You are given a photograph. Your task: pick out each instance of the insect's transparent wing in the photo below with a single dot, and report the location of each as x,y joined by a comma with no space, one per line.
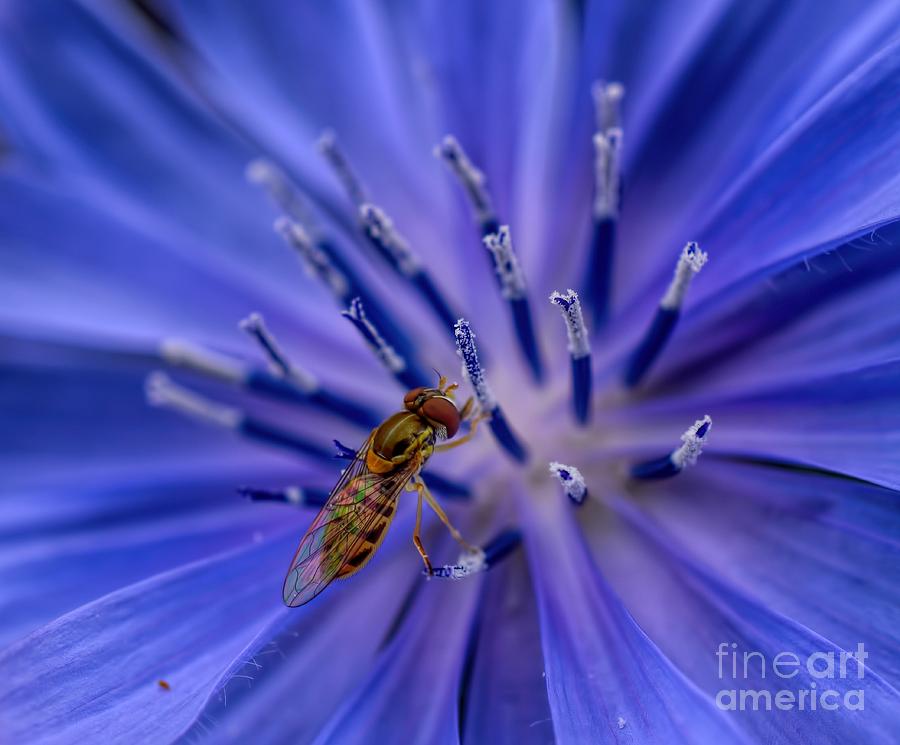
343,537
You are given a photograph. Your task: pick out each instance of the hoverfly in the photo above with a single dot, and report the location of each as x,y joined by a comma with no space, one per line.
353,523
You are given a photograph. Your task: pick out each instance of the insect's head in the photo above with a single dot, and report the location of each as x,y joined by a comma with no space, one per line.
434,405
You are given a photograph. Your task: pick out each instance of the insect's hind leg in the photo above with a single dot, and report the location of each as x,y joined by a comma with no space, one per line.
417,531
439,511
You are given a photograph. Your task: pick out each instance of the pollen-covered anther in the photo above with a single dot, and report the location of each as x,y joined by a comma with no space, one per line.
690,262
472,180
607,104
380,229
571,480
328,146
384,351
255,326
692,443
468,563
576,329
163,392
506,264
264,173
314,260
183,354
607,174
471,368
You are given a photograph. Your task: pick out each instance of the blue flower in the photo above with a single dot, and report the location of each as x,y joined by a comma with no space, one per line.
719,226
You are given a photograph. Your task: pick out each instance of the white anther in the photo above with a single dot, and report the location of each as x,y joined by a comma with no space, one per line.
389,357
571,480
473,181
690,262
161,391
294,495
314,260
264,173
192,357
255,325
328,146
506,264
570,305
381,228
468,563
471,368
607,104
692,446
607,165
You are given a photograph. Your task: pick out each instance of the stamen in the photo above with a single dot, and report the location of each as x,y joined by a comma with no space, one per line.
680,458
472,562
512,285
163,392
579,351
380,231
472,180
607,104
191,357
472,371
315,261
264,173
197,359
607,195
293,495
386,354
255,325
328,146
572,481
607,174
690,262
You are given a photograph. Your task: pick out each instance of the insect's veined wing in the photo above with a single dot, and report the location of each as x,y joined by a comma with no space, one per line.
347,530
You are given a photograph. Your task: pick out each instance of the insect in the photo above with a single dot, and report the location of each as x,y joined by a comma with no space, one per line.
353,523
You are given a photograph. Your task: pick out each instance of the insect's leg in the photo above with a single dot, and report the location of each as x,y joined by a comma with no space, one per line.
417,537
423,492
465,438
468,409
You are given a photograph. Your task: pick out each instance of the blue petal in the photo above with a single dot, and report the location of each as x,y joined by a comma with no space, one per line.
94,673
690,611
605,677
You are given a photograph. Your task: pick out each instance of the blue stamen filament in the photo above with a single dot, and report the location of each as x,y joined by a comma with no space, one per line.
648,350
393,248
465,344
579,352
486,557
571,480
680,458
256,380
512,286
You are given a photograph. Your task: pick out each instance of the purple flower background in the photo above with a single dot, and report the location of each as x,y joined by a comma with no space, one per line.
767,131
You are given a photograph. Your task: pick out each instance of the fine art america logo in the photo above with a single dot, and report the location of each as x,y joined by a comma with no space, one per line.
789,681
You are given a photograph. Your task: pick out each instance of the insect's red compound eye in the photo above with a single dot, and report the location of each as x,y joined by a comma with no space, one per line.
409,400
444,412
